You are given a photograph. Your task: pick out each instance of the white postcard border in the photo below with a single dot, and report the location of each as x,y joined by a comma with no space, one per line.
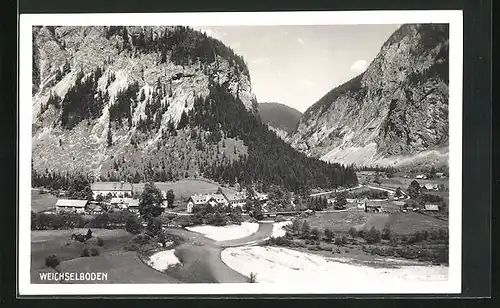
454,18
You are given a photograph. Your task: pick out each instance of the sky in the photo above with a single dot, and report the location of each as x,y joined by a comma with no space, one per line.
297,65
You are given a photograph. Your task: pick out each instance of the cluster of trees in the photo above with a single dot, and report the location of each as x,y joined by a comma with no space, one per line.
77,185
83,100
54,100
124,104
216,215
35,72
180,44
317,203
154,111
44,221
270,160
60,73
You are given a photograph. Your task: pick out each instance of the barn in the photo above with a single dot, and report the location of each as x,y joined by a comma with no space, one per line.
71,206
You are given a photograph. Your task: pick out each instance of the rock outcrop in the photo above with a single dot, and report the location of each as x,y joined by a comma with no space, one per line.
395,113
149,75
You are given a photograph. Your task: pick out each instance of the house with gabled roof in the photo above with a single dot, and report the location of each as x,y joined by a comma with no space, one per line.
71,206
236,198
200,200
116,189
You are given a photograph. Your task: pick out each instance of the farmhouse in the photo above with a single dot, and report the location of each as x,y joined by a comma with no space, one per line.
431,186
212,199
432,208
421,177
71,206
236,199
121,202
261,197
373,208
116,189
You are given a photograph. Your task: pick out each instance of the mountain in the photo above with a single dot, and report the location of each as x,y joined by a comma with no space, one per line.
280,118
155,103
395,113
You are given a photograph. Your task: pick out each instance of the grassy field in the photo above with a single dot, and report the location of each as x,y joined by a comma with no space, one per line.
407,223
400,223
121,266
395,182
340,221
183,189
42,202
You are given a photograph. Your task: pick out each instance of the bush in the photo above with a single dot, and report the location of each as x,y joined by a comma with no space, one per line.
133,225
343,240
100,242
170,216
52,261
154,226
280,241
352,232
305,229
315,234
338,241
329,235
361,233
184,221
85,252
386,232
372,236
252,278
94,252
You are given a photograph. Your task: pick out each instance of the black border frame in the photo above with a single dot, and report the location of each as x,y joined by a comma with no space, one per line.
477,104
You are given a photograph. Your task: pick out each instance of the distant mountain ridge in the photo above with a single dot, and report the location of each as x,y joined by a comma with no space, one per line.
394,114
282,119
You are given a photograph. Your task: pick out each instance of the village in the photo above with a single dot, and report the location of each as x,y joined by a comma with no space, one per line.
119,196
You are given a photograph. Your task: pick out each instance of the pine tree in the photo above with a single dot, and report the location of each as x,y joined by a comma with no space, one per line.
109,137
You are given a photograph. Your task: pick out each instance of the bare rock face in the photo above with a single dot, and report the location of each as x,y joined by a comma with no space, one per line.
128,57
395,113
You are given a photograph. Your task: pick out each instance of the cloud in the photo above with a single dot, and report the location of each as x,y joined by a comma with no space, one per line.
300,41
359,66
214,33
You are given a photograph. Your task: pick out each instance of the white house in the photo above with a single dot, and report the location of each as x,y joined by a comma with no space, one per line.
432,207
262,197
431,186
121,202
421,177
236,198
116,189
212,199
71,206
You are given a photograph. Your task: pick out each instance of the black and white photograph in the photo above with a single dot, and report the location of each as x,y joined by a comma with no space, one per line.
233,153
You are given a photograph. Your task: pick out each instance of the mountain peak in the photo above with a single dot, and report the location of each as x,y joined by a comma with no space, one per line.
396,112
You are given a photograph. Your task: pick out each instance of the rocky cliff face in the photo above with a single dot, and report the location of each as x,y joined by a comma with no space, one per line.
395,113
102,93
